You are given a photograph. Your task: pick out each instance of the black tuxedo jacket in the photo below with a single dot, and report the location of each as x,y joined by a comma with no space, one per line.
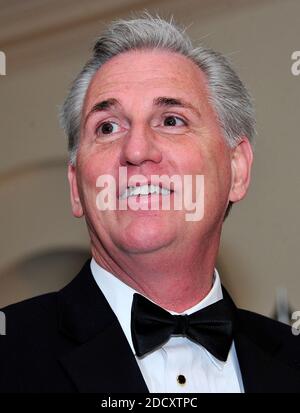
71,341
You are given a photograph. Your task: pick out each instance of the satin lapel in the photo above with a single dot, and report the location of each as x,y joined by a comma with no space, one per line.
101,360
105,364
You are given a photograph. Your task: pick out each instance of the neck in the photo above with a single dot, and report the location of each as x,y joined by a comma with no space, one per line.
174,279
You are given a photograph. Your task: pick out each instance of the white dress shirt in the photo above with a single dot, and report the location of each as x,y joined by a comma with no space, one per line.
201,371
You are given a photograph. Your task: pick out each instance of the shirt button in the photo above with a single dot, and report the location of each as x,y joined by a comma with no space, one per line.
181,379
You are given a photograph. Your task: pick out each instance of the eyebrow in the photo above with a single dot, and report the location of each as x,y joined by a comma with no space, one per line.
102,106
162,101
175,102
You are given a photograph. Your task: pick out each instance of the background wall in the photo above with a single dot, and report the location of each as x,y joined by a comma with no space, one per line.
47,42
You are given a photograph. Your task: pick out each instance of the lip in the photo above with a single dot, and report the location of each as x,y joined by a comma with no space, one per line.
151,203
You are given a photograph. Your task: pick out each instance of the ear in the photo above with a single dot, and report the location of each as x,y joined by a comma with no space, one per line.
241,162
74,193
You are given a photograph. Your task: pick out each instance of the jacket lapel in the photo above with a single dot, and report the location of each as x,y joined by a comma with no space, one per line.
102,360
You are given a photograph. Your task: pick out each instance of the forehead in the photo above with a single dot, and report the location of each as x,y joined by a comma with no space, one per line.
147,73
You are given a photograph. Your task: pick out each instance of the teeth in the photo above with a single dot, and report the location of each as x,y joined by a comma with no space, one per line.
165,191
144,190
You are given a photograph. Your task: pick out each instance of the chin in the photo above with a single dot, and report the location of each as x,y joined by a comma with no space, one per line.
142,237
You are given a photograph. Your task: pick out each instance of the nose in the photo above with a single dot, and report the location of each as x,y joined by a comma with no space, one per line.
140,146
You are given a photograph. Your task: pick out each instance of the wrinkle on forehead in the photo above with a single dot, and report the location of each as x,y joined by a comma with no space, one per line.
137,70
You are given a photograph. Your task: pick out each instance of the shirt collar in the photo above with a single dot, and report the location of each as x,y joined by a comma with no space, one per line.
119,296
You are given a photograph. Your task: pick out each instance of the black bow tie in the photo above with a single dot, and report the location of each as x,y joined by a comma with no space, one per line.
152,326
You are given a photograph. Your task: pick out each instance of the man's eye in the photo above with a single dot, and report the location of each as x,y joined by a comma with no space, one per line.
174,121
106,128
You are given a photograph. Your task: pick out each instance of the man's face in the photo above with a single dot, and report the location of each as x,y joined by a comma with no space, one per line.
153,117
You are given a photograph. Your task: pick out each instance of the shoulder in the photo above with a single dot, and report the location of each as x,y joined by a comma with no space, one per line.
251,320
270,334
28,324
40,316
29,313
33,345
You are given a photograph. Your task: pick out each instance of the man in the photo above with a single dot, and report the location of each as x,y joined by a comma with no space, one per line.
148,312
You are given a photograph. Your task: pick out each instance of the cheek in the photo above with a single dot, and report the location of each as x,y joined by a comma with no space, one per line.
187,158
213,162
218,182
89,171
89,176
93,163
92,166
223,165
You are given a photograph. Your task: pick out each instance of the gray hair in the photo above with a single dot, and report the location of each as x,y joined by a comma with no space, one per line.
228,95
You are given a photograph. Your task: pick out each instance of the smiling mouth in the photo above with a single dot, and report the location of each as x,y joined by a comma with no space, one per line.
145,190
